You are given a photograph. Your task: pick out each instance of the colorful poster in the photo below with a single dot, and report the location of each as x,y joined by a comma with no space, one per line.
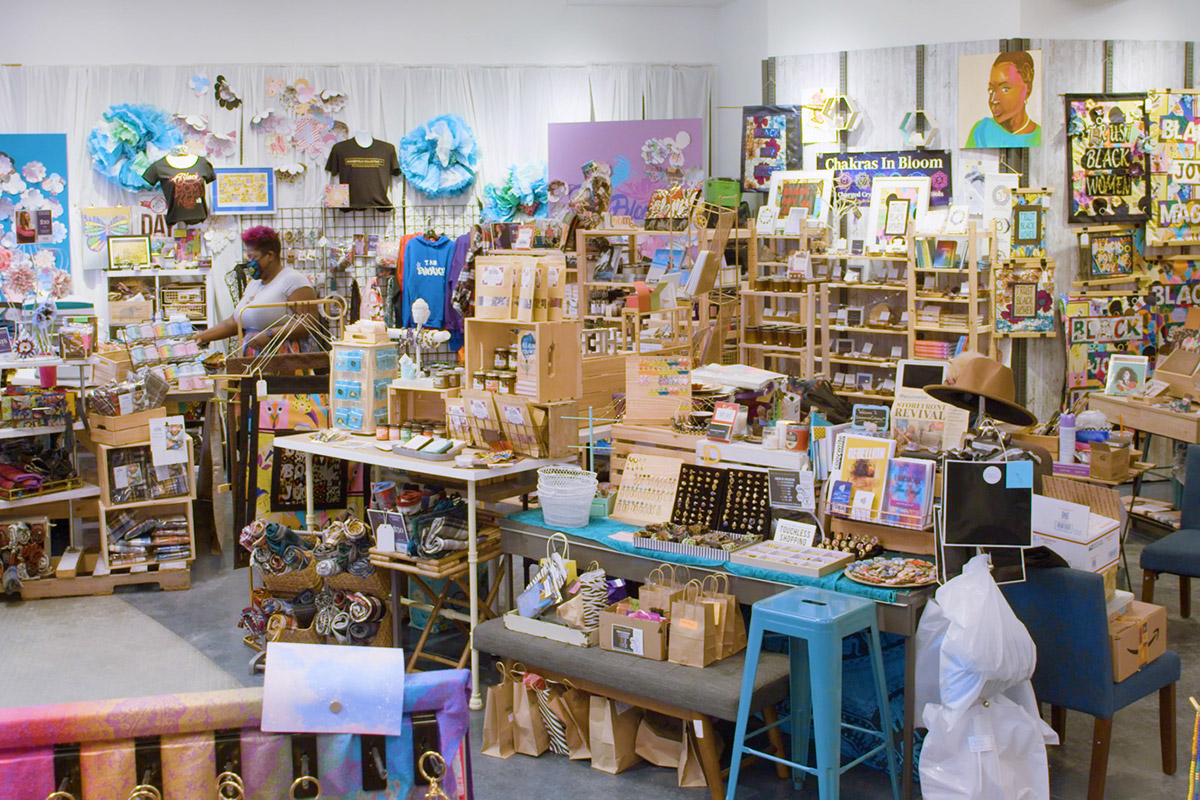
854,173
1098,327
34,226
243,190
771,137
643,155
1106,158
1000,100
1174,121
1024,297
1028,229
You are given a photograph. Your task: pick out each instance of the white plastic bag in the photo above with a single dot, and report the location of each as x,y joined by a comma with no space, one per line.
990,750
986,650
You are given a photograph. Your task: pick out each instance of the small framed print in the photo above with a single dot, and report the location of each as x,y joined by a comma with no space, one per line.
766,219
854,316
898,352
864,381
243,190
1027,225
1024,300
868,348
128,252
930,284
896,222
856,247
893,273
843,347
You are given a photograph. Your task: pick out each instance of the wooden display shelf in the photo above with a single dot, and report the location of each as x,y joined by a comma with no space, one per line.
450,566
557,366
900,540
167,503
955,331
882,363
83,574
938,298
776,348
901,331
870,286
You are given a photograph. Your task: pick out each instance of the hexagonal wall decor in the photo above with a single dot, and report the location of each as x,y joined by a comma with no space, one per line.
909,125
843,111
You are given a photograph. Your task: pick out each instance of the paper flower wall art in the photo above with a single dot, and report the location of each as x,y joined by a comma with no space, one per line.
128,140
6,165
440,157
34,171
199,83
290,172
524,191
224,94
54,184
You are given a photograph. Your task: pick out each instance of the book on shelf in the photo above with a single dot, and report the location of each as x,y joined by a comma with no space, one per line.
908,492
862,462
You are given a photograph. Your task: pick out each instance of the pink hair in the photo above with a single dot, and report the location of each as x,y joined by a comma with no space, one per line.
262,238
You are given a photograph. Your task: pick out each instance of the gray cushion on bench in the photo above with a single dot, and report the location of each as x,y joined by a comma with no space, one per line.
712,691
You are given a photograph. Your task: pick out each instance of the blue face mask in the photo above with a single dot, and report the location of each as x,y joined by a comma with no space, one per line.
255,269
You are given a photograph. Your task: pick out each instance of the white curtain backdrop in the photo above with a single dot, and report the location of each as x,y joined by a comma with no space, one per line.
507,107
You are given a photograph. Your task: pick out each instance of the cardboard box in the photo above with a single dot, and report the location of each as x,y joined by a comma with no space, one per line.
1110,582
128,312
1110,462
1085,540
638,637
1138,637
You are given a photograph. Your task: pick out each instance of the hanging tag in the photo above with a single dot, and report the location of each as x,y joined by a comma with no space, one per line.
260,388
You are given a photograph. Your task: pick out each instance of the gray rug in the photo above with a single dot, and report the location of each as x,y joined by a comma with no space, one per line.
95,648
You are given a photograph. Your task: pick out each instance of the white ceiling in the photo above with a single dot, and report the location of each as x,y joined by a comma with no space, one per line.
652,3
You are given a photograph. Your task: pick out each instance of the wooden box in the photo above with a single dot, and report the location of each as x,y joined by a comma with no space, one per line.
105,476
128,312
165,507
124,429
550,365
110,366
358,385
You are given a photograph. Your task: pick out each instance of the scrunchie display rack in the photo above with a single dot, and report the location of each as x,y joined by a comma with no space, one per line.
318,587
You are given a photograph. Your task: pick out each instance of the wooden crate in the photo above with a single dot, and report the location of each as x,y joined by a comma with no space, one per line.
358,385
404,404
649,440
553,368
91,578
173,506
1145,417
124,429
603,376
104,478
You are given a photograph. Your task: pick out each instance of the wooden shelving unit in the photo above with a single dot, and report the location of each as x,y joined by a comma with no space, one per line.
975,306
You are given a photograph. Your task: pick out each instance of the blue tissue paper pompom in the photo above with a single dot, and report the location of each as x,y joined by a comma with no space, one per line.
128,140
440,157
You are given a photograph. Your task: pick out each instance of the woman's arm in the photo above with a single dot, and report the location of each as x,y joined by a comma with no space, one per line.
222,330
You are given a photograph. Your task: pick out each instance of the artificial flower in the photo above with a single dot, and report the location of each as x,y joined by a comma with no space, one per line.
224,94
54,184
278,144
58,233
55,207
221,145
32,200
5,259
274,86
128,140
34,171
6,165
19,281
6,207
61,285
13,184
440,157
199,83
8,240
44,259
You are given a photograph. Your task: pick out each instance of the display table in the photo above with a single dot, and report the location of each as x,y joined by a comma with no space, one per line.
525,535
480,484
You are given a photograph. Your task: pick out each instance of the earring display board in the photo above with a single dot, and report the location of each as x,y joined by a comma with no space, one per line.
700,498
747,508
657,388
647,492
987,503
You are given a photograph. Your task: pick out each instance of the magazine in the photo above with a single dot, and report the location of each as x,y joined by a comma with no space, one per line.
920,422
862,462
908,494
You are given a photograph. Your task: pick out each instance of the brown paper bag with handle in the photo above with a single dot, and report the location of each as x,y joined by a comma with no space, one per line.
498,718
529,731
689,773
660,590
693,637
572,708
731,626
613,729
660,739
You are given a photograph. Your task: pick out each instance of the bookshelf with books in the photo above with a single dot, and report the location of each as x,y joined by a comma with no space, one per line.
949,294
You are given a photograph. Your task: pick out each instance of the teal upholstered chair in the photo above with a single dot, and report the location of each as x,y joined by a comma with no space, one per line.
1178,553
1065,612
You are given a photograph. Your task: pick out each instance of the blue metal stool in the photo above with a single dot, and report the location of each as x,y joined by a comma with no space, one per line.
816,621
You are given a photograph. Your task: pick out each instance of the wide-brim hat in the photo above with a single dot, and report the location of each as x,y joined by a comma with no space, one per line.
976,376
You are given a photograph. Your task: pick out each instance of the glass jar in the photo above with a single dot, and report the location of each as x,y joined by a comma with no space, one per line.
754,335
479,380
500,358
439,430
796,337
508,382
393,433
492,381
406,431
514,353
441,380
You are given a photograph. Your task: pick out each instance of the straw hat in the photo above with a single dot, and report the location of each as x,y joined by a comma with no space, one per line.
975,376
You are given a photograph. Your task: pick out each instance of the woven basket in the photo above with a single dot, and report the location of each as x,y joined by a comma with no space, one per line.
384,637
307,635
293,583
378,584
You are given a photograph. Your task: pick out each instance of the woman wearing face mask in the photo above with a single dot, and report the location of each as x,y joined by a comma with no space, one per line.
271,283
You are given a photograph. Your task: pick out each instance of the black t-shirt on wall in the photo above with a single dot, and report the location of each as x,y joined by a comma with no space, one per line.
368,171
183,189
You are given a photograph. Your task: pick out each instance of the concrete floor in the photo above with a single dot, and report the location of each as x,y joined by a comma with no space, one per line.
205,617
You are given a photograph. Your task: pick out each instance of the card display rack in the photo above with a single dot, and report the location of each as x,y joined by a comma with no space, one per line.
358,386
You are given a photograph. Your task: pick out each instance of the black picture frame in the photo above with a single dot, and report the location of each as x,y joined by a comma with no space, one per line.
1136,211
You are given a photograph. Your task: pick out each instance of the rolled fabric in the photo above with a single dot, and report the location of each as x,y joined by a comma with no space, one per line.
327,567
361,568
12,580
323,622
363,632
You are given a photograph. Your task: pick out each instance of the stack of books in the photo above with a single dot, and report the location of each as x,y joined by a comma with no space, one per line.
923,348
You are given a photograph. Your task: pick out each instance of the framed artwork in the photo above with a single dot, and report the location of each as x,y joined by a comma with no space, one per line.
885,191
1000,100
771,142
1108,166
1028,226
1172,118
1024,300
1097,328
809,190
128,252
896,222
856,172
330,484
1024,297
1110,255
243,190
98,225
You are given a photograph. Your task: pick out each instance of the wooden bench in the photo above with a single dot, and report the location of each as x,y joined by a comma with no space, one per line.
696,696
